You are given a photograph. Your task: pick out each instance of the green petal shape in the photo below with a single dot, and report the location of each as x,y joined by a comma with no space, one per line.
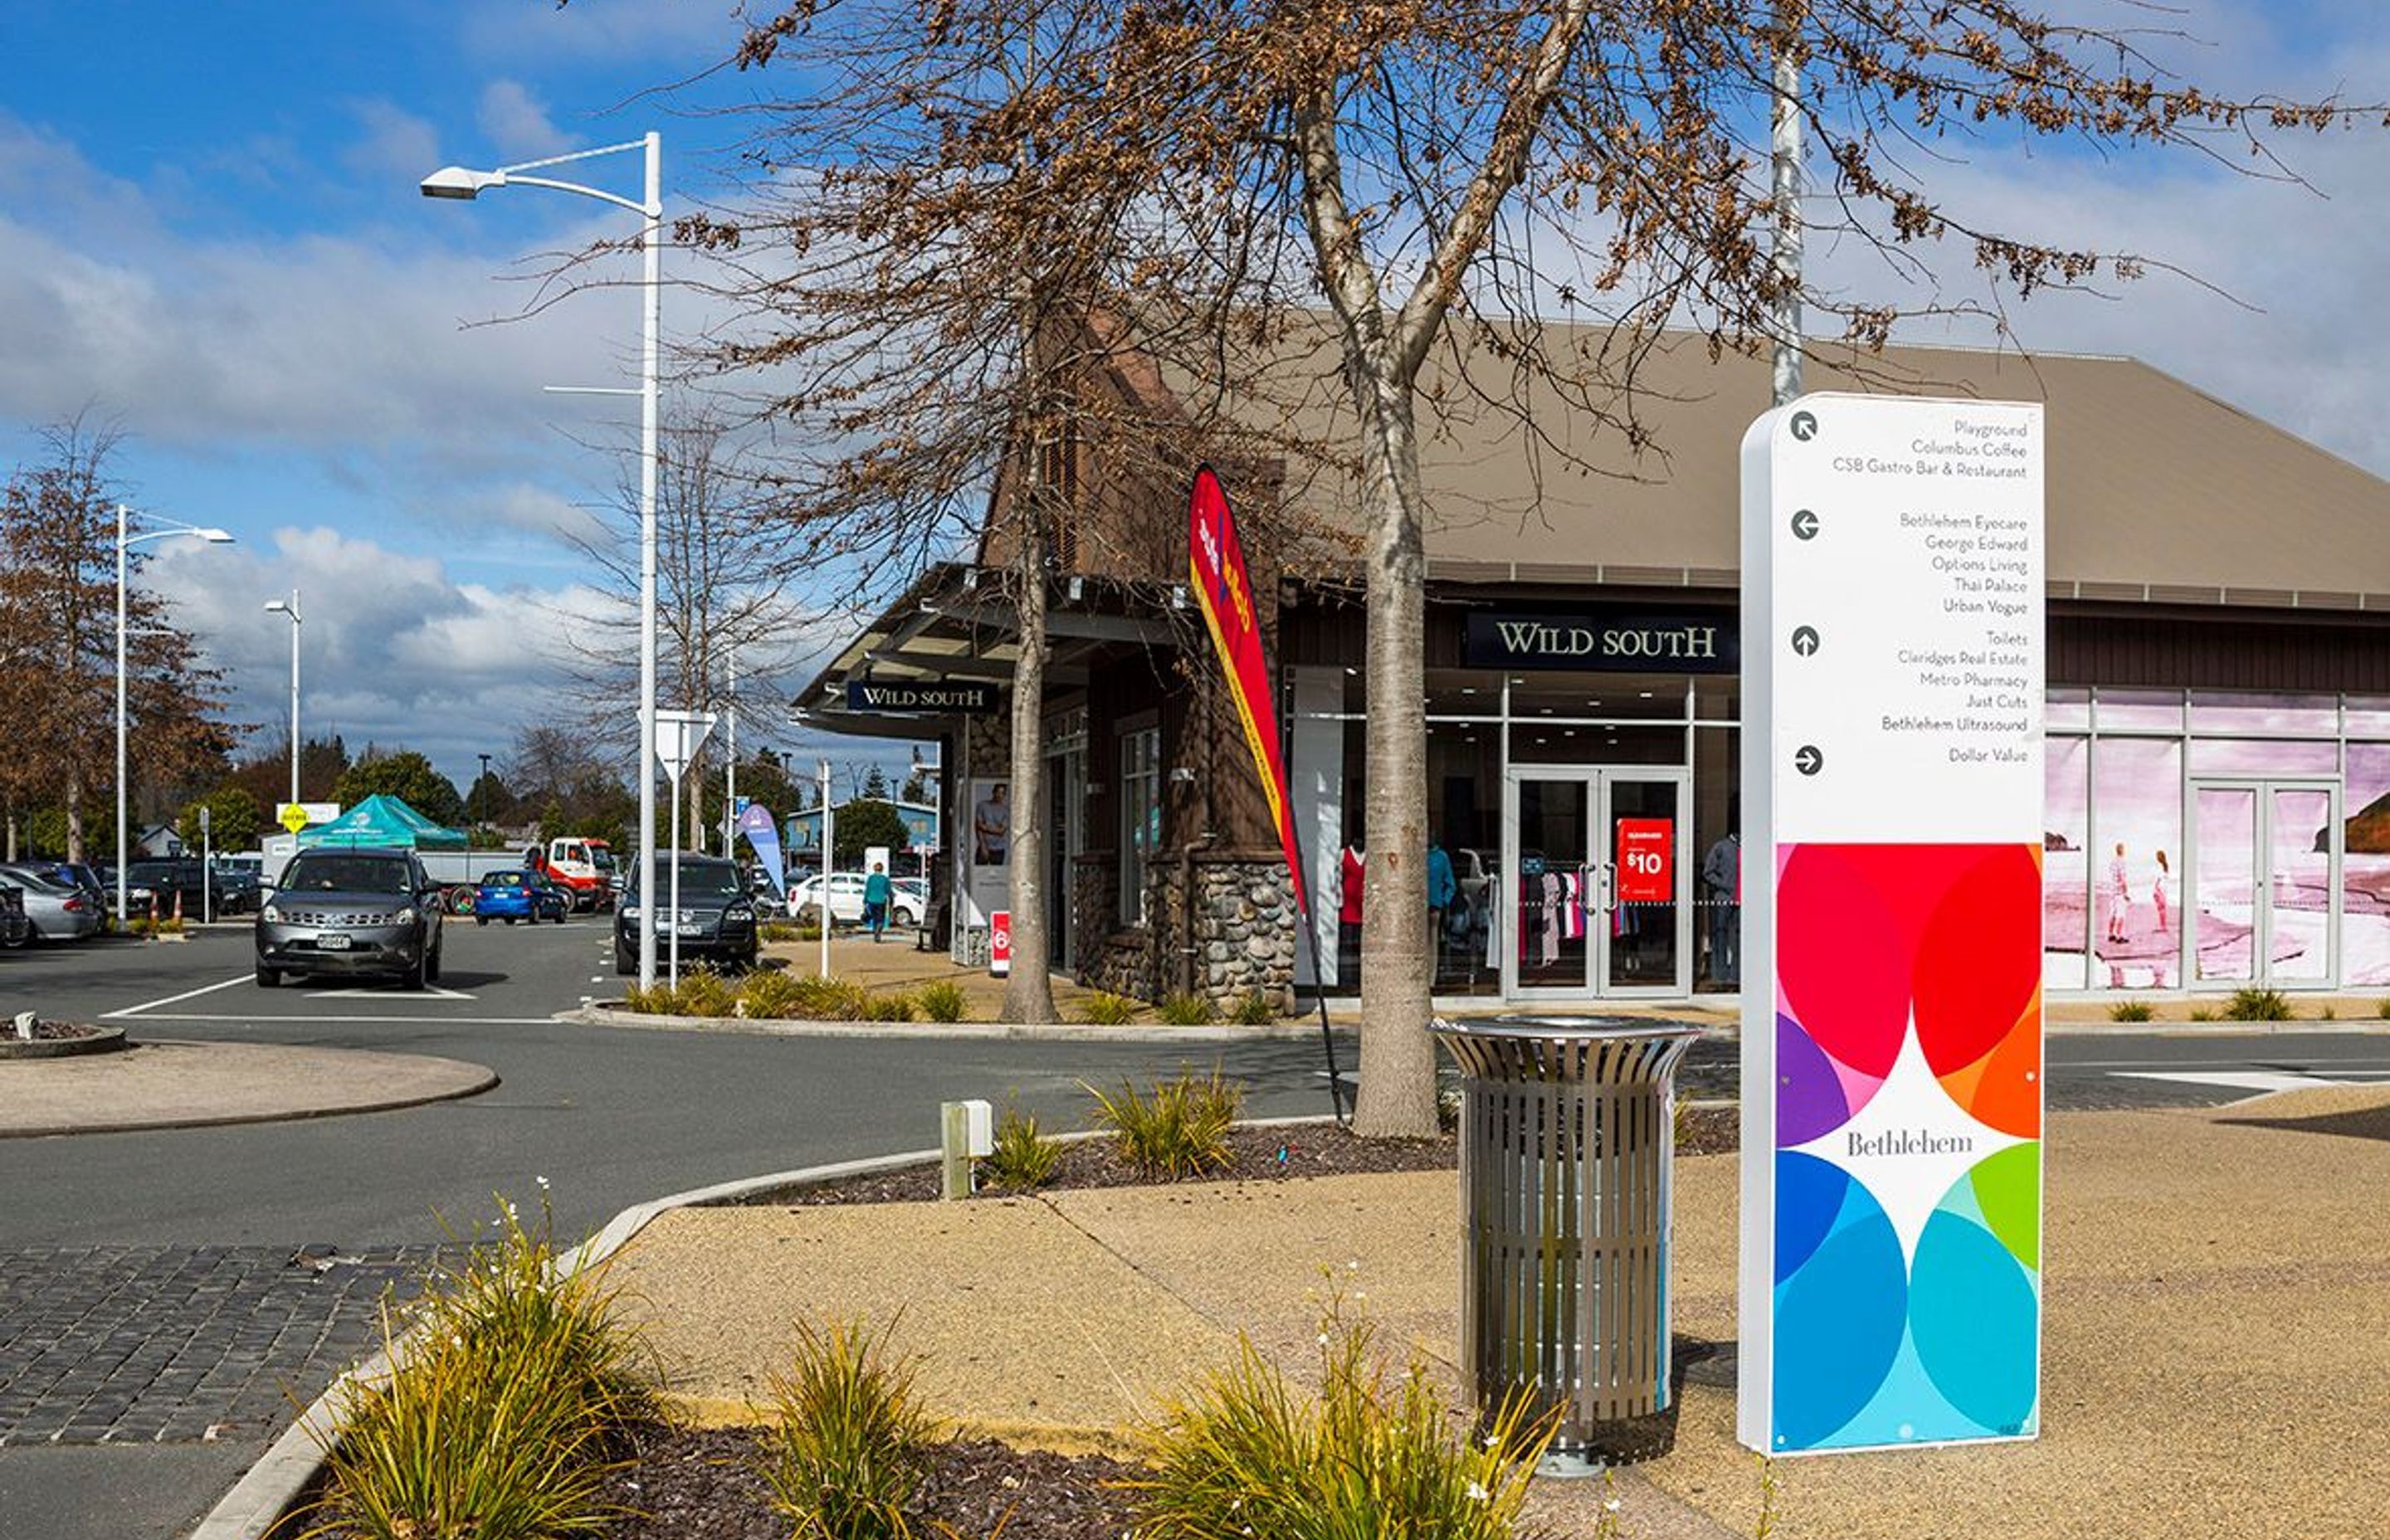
2008,1188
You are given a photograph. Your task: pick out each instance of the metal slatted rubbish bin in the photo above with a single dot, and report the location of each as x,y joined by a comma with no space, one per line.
1567,1139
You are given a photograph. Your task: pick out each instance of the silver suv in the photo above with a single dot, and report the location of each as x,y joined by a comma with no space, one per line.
364,911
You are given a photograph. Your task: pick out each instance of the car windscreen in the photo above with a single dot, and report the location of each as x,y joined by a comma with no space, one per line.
709,879
153,871
503,879
346,874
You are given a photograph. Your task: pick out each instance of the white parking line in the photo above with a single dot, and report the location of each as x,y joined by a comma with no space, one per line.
429,992
189,993
345,1020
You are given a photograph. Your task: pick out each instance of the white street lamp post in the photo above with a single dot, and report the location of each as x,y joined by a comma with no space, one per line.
125,541
290,606
458,182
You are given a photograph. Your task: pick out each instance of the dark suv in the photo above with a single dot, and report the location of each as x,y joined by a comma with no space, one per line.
716,922
369,910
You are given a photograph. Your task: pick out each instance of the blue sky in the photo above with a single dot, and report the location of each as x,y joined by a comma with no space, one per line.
209,228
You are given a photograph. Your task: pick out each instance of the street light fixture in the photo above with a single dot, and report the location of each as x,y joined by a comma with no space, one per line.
125,541
462,183
290,606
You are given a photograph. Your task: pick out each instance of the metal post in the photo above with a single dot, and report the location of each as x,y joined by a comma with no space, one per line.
730,768
294,694
1785,192
123,886
649,907
207,869
651,242
821,901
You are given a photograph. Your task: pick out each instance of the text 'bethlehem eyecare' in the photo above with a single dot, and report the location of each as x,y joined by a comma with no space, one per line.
1893,661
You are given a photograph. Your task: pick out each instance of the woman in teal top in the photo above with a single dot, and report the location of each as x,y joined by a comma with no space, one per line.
877,890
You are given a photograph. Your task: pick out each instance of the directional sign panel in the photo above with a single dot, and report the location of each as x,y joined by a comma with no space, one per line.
679,735
1893,659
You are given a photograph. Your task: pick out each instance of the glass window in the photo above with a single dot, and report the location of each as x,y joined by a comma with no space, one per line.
2067,710
2066,862
2137,864
1717,697
1592,743
1464,824
2368,716
2229,756
2140,710
2250,712
1717,860
1140,817
2364,869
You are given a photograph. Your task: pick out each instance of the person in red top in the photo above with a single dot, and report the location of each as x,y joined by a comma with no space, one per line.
1351,873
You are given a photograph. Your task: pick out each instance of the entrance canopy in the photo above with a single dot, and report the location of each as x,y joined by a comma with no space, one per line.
381,820
955,628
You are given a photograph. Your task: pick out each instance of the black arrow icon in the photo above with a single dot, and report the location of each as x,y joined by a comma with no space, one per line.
1804,640
1807,759
1804,525
1804,426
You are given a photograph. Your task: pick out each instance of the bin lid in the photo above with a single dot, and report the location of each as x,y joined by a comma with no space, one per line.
1543,1024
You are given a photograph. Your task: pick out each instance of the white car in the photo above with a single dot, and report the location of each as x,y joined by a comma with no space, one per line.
846,900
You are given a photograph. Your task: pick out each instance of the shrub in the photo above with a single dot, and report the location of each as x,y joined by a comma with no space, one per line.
843,1454
2328,1014
1247,1455
1181,1130
776,929
1107,1011
2201,1013
1024,1158
500,1421
2257,1005
2131,1010
1186,1010
770,995
942,1000
705,992
888,1008
2382,1009
1255,1010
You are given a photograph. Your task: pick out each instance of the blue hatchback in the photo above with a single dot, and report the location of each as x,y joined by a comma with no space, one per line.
506,895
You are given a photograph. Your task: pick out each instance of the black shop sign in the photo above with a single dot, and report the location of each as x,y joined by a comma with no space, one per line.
1604,639
933,695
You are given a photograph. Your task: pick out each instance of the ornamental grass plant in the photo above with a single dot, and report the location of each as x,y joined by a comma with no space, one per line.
2131,1010
942,1000
1367,1457
1024,1158
1188,1010
1101,1010
844,1452
506,1408
2258,1005
1177,1130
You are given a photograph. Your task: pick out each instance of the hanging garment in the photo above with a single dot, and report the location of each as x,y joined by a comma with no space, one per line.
1351,882
1572,907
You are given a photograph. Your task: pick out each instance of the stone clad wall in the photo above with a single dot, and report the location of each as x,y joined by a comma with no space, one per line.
1243,929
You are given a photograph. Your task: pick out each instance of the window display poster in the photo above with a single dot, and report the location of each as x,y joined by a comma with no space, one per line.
1893,784
1646,860
988,845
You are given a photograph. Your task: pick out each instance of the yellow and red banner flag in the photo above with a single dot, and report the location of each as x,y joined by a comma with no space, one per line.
1225,589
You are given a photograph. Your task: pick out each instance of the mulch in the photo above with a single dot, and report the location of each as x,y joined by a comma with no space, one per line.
703,1484
48,1031
1256,1154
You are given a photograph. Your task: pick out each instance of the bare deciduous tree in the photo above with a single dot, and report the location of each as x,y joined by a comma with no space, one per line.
948,181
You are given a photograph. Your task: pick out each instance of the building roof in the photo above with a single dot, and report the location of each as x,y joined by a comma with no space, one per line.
2157,490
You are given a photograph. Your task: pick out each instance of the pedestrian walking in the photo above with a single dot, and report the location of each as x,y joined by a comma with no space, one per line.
877,890
2158,891
2120,897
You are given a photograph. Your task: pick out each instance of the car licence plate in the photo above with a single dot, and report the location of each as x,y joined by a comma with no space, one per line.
691,928
334,942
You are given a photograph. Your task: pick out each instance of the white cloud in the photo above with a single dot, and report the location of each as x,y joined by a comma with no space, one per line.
396,144
517,122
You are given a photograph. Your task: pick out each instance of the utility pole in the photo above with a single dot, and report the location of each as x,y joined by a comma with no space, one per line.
1785,193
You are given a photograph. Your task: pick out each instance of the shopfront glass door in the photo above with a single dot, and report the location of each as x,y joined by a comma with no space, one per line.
2265,884
1595,883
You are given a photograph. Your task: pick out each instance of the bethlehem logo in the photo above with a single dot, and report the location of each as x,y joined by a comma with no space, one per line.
1910,1141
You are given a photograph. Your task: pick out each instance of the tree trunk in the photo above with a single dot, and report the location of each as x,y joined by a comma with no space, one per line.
74,815
1029,991
1397,1093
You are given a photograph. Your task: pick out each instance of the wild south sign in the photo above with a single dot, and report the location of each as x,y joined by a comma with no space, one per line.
1603,639
935,697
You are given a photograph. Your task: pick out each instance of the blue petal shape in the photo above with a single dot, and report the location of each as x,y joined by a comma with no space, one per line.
1975,1313
1808,1200
1839,1322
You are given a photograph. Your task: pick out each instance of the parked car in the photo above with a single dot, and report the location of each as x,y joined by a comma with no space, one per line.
905,908
235,887
513,894
371,910
715,922
136,896
58,909
548,900
15,929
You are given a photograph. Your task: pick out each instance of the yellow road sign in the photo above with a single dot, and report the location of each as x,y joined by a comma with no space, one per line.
292,817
